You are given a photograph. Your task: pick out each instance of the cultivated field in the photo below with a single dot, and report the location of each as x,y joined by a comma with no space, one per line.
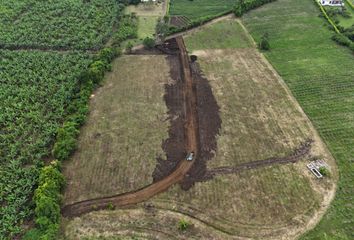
259,121
308,64
122,138
42,57
65,24
199,8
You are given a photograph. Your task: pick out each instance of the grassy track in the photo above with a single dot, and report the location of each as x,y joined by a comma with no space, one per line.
320,75
119,144
200,8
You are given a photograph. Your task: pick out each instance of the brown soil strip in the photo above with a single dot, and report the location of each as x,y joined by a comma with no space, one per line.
174,146
209,127
191,145
299,153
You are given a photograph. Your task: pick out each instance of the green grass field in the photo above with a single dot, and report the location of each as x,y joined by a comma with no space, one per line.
200,8
146,26
221,35
320,75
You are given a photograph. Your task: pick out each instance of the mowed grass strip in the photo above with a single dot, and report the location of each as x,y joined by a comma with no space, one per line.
200,8
146,26
221,35
320,75
122,138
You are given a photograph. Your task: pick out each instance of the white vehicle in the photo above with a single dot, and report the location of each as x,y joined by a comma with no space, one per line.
190,156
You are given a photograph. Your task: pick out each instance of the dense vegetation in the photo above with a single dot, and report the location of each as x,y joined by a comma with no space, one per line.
35,88
320,75
59,24
39,90
47,197
200,8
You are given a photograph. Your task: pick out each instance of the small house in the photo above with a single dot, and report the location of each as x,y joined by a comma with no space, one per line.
336,3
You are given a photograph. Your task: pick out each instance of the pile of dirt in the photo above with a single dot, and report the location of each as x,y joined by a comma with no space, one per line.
209,123
168,47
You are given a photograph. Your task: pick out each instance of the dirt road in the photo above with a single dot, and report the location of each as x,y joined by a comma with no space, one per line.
191,141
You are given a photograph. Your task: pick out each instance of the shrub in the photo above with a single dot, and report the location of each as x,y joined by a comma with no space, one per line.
244,6
264,44
183,225
129,47
324,171
341,40
66,141
110,206
148,42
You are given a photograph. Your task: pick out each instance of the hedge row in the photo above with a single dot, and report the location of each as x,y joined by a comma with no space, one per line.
327,17
343,41
342,36
47,197
245,6
239,9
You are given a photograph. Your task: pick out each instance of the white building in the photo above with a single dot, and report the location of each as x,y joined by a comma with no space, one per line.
336,3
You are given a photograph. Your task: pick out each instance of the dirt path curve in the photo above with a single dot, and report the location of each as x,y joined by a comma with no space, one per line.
191,30
192,144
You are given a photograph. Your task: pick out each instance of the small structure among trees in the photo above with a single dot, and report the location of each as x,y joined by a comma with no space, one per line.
337,3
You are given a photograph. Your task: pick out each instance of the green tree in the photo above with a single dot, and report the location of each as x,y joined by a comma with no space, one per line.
264,43
148,42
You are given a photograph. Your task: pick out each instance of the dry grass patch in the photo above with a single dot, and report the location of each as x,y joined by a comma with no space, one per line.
259,120
119,144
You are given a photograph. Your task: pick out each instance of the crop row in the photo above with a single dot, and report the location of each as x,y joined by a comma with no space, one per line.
34,91
320,75
53,24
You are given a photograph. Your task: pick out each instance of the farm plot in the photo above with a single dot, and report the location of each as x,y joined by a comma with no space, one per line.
34,91
221,35
199,8
148,15
308,64
259,120
122,139
56,24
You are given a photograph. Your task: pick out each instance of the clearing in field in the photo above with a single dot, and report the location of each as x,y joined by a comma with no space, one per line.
308,64
122,138
253,122
148,14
